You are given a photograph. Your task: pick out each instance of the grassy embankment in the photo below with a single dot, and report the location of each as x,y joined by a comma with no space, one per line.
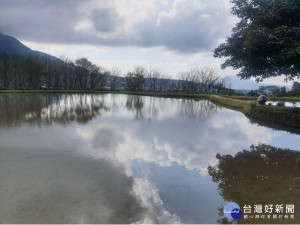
286,116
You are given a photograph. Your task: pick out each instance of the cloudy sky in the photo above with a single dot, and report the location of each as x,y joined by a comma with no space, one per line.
172,36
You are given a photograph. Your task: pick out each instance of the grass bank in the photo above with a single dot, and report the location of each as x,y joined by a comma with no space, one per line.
286,116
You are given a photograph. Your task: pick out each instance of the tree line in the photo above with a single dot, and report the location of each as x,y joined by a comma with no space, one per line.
276,91
35,72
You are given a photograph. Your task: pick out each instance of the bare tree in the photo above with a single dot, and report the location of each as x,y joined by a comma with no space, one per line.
199,80
223,85
114,79
135,80
57,73
82,70
34,71
99,78
4,70
48,71
189,80
14,70
153,77
211,78
89,75
68,79
164,83
94,76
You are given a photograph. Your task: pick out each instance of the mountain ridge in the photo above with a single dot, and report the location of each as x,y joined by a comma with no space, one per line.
241,84
12,46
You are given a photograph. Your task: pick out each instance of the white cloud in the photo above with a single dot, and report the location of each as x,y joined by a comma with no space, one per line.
178,35
181,25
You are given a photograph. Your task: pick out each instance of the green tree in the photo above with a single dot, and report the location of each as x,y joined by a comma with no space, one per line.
296,88
265,43
272,90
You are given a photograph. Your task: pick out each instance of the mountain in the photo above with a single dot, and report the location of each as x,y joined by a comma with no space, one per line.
12,46
238,84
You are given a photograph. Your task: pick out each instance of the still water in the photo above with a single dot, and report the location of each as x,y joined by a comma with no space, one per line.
113,158
286,104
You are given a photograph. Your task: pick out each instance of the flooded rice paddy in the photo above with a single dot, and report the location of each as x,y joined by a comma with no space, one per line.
115,158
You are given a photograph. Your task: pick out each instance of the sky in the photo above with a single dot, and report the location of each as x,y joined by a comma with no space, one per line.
170,35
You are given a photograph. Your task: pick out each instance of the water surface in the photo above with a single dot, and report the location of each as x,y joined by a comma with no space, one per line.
113,158
286,104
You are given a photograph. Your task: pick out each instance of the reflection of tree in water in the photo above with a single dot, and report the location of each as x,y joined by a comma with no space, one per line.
48,109
197,109
264,175
153,109
135,103
14,107
79,108
193,109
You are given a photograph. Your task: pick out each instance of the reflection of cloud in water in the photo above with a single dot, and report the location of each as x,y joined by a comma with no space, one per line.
151,201
102,139
48,187
177,191
182,141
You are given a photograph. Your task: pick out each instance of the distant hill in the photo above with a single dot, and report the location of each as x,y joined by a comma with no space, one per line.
12,46
237,83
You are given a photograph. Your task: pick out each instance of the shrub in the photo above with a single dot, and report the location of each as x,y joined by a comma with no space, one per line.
253,105
280,104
